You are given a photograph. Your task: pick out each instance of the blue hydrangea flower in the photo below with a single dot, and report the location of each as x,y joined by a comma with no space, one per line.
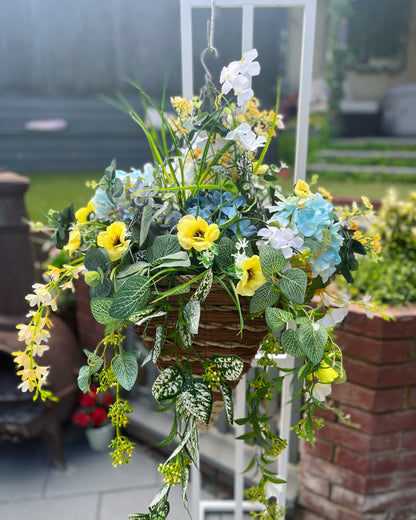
221,206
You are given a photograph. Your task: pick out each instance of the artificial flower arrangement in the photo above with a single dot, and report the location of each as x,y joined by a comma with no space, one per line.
92,408
155,246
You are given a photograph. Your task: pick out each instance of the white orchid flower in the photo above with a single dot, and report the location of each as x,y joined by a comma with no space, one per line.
283,239
246,137
229,75
248,67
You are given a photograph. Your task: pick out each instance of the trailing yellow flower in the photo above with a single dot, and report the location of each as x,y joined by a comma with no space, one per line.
196,233
82,214
253,277
326,374
113,239
74,241
302,189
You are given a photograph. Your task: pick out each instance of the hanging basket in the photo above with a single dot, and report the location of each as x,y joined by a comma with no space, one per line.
218,334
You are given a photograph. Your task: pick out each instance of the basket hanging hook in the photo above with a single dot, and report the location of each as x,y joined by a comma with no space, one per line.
210,44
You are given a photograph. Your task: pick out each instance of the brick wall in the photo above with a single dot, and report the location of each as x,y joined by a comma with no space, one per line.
368,472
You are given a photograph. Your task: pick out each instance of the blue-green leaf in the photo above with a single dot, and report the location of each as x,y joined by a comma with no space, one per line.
265,296
272,260
313,338
83,378
276,319
291,344
293,285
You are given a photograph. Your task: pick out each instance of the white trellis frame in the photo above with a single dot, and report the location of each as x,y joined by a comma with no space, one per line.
306,60
238,505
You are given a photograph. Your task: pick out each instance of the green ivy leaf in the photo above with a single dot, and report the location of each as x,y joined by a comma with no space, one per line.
229,366
83,379
196,397
293,285
291,344
168,384
265,296
100,308
313,338
272,260
227,397
131,298
276,319
125,369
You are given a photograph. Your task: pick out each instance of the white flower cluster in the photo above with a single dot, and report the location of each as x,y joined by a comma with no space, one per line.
237,77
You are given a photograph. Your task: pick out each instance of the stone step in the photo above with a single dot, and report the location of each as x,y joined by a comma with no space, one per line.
367,154
374,141
359,168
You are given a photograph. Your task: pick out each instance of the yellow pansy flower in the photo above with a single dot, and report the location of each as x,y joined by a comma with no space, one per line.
196,233
253,277
74,241
302,189
82,214
113,239
326,374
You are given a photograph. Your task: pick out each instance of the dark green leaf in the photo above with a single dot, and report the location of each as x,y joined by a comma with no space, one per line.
291,344
313,338
146,221
103,290
226,250
276,319
131,298
95,259
162,246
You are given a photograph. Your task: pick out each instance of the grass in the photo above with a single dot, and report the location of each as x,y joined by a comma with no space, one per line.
58,190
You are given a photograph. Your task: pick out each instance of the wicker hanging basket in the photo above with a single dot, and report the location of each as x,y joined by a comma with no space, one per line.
218,334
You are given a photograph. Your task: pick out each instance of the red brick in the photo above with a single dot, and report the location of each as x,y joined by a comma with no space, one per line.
378,483
375,376
385,501
308,515
334,473
374,464
344,514
348,498
316,484
358,440
403,514
406,479
404,420
321,448
409,440
368,399
412,397
403,327
326,414
374,350
318,504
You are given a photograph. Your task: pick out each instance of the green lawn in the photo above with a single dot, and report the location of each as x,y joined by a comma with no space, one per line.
58,190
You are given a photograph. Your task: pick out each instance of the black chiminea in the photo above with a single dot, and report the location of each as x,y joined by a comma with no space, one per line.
20,416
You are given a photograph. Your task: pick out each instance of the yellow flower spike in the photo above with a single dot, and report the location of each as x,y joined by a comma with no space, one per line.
113,239
196,233
253,277
74,241
302,189
82,214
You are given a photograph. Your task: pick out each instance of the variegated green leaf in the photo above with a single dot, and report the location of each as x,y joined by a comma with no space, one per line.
158,343
226,393
168,384
272,260
125,369
265,296
204,287
197,398
185,336
293,285
230,366
276,319
313,338
291,344
192,313
131,298
145,315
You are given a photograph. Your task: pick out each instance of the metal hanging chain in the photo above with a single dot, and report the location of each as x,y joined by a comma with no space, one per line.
209,49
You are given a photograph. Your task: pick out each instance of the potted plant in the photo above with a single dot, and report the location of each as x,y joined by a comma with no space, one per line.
209,260
91,413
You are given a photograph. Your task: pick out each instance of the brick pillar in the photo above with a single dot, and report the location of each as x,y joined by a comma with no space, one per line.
368,472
